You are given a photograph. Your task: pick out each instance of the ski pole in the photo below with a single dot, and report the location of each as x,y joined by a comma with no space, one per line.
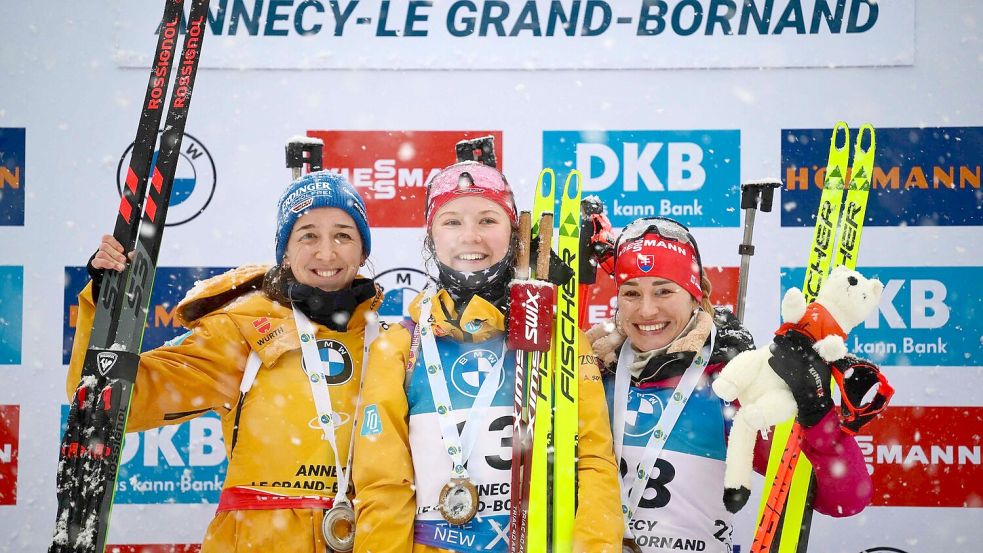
755,195
481,149
304,151
529,334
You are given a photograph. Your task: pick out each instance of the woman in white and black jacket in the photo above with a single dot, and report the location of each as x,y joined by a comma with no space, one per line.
658,355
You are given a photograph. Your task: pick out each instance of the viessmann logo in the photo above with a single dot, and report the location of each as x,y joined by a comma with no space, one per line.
925,456
194,180
391,169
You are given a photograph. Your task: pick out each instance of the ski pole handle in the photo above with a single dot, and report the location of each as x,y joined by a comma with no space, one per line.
758,194
522,255
304,151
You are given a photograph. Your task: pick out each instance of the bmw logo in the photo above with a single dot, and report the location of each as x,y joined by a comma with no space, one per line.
400,286
194,180
336,362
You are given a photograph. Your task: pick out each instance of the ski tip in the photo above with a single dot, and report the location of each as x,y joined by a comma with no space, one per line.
571,188
544,186
866,130
840,129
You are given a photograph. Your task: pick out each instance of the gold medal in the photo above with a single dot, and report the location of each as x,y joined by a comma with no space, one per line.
458,501
628,545
338,527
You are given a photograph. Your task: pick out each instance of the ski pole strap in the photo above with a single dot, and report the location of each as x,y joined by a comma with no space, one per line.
458,446
316,377
630,498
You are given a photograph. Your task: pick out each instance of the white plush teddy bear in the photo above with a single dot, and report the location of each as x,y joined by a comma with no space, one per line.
844,301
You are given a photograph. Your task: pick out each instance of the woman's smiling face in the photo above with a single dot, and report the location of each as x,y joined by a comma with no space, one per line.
653,311
471,233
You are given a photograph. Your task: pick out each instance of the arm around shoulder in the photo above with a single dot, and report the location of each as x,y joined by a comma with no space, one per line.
382,469
599,526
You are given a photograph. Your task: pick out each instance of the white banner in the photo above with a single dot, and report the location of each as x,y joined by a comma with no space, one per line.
540,34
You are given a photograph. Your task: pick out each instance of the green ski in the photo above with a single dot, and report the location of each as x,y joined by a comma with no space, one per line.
567,365
783,522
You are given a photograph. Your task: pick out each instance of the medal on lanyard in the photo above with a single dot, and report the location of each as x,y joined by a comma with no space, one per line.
630,498
338,524
458,499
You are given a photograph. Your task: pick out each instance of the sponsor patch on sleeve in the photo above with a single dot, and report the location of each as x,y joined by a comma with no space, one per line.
371,422
176,341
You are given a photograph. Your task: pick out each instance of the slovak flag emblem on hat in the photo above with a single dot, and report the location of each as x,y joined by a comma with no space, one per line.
646,262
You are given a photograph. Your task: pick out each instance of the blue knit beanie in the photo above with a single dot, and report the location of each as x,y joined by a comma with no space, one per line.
314,190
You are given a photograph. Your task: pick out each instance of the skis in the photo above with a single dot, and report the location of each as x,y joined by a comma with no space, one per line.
786,512
551,490
91,447
539,532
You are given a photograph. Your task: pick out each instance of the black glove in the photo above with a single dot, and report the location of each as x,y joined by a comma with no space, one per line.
806,374
865,391
96,276
560,272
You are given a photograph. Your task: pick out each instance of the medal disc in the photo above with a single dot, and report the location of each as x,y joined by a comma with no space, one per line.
338,527
458,501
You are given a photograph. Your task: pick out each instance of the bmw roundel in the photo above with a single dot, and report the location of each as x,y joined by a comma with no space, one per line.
194,179
471,369
336,362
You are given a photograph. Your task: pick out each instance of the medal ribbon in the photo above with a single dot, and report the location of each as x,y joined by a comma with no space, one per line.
458,446
322,394
630,498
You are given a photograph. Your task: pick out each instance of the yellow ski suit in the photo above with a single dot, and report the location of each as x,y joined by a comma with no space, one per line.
281,472
399,456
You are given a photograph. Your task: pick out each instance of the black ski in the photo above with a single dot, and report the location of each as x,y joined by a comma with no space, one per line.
90,449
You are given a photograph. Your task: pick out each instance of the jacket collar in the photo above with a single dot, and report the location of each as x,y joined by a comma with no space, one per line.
732,338
479,320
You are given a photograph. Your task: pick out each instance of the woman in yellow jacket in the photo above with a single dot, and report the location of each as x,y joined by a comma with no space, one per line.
287,425
414,455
